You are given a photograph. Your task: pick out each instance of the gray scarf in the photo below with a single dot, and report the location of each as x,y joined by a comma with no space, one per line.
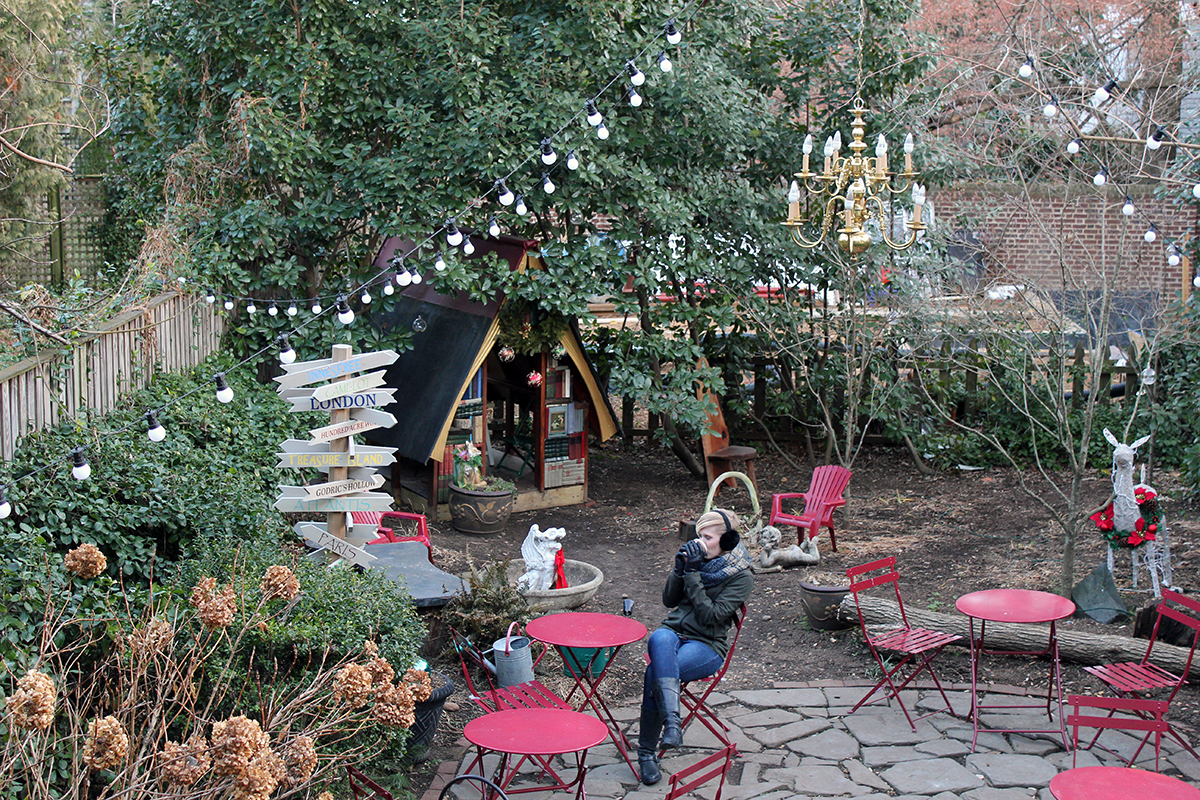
724,567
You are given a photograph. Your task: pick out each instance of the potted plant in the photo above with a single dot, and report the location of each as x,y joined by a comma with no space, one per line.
821,595
477,504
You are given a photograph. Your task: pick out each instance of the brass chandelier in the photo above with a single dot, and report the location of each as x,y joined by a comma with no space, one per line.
854,190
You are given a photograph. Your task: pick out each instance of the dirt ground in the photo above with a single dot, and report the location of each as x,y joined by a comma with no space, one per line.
951,534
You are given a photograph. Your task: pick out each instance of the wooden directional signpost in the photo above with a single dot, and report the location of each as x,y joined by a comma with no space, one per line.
352,400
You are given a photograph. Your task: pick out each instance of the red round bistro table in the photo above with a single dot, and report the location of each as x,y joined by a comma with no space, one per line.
1118,783
529,732
1019,606
595,631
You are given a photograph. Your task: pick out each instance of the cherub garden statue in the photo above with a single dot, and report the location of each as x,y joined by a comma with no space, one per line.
773,558
538,550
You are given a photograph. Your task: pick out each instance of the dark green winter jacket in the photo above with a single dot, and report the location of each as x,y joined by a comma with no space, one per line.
705,614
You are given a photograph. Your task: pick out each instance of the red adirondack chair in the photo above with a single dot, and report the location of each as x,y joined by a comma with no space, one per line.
823,496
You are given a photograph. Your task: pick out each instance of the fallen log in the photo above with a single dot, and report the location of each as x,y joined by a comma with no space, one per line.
1074,646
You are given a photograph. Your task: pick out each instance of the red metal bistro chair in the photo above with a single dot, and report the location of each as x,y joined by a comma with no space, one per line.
363,788
682,783
918,646
823,496
1149,719
1134,679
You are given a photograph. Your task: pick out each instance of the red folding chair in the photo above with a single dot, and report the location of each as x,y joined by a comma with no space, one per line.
1149,718
918,646
693,701
530,694
682,782
363,788
823,496
1134,679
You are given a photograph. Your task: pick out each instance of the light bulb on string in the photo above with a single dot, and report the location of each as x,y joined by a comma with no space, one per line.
81,470
419,324
594,117
1151,233
664,63
573,164
228,304
273,310
439,264
548,154
316,307
417,277
389,289
5,506
251,308
1103,93
547,185
1174,257
521,208
345,314
468,247
1155,139
1128,209
1101,177
673,34
1196,281
1196,191
1074,146
1026,69
287,355
601,131
454,236
209,297
366,298
636,76
493,227
154,429
505,197
403,277
292,310
1050,108
635,99
224,393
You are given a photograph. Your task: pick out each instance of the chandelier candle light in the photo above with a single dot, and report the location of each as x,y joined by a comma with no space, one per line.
857,189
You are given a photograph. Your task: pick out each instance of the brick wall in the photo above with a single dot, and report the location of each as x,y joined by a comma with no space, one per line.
1071,237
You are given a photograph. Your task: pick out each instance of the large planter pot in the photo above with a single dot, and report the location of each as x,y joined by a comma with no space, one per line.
583,580
821,605
428,713
481,512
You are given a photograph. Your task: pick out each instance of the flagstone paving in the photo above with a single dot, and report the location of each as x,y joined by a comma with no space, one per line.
799,740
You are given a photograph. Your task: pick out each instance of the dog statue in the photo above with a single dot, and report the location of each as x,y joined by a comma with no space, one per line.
538,551
773,558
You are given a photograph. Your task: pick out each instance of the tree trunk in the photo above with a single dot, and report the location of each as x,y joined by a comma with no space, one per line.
1081,648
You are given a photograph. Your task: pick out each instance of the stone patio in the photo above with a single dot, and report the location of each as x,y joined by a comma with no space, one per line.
797,740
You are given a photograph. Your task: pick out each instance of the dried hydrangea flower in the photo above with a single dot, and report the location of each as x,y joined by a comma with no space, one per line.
184,764
300,758
202,592
260,777
370,649
218,611
353,684
151,638
394,705
235,742
381,671
32,704
279,584
419,684
86,561
325,796
106,745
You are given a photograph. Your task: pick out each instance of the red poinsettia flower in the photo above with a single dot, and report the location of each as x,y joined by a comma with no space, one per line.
1103,519
1143,493
1149,535
1140,525
1135,539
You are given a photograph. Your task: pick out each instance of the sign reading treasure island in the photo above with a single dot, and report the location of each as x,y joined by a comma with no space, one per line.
352,399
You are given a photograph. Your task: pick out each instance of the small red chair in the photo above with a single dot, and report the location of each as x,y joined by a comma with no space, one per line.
1149,719
823,496
1132,680
916,645
682,783
386,533
363,788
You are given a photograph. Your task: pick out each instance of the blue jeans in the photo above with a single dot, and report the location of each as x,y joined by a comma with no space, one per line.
673,657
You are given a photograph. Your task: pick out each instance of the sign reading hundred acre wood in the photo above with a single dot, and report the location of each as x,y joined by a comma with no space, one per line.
336,385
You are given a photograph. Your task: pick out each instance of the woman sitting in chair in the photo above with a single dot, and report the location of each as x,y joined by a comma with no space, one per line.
710,582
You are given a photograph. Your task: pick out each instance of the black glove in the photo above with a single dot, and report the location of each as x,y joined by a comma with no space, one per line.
680,561
694,553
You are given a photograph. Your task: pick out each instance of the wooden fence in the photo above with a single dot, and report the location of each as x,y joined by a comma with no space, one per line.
171,332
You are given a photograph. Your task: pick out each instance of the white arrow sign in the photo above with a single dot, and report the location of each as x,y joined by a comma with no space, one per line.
300,455
332,370
381,418
319,537
372,399
366,501
341,429
359,383
339,488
